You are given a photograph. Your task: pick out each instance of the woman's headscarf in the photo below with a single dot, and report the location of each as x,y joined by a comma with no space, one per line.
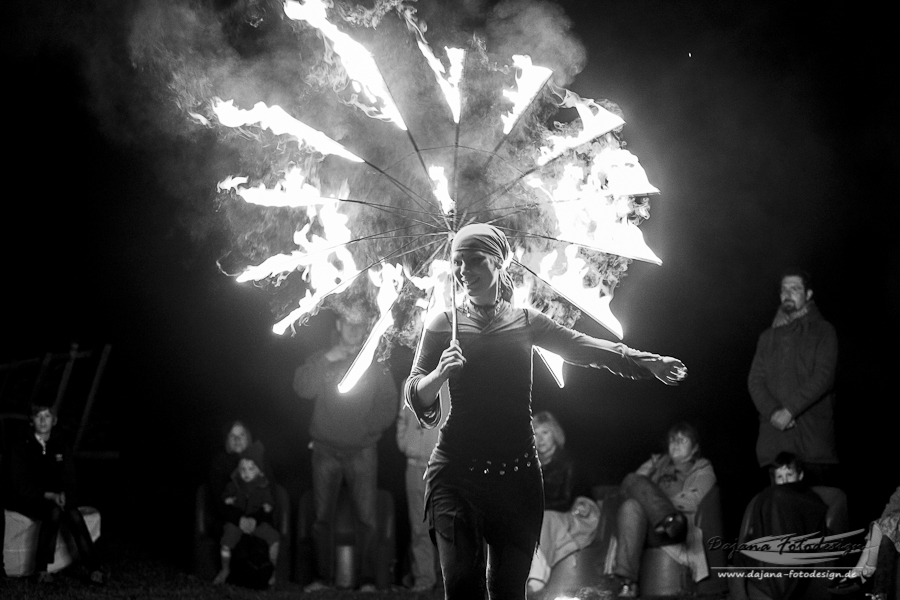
482,237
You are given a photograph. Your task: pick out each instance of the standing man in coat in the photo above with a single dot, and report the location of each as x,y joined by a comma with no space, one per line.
792,384
345,430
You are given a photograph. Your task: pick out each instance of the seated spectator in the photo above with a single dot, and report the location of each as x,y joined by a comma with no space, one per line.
562,533
249,505
883,537
659,506
41,486
788,506
237,439
557,467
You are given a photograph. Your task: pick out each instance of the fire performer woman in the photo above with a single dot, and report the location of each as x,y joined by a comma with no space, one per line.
483,484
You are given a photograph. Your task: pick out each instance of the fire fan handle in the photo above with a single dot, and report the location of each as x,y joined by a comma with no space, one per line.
454,326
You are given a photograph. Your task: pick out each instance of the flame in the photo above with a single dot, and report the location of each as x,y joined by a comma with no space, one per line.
441,189
326,262
438,284
529,81
624,174
199,118
594,205
292,191
358,62
231,183
590,215
279,122
327,265
554,362
595,121
389,281
570,284
447,81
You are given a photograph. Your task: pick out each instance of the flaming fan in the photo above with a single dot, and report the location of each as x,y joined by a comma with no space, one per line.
430,141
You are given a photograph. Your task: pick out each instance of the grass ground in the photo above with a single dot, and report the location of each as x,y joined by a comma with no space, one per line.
139,575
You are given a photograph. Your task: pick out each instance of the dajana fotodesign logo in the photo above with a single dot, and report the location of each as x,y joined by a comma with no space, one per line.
791,550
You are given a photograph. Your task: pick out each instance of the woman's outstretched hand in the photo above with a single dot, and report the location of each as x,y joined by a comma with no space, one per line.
669,370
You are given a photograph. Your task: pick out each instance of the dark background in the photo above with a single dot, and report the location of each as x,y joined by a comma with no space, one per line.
770,131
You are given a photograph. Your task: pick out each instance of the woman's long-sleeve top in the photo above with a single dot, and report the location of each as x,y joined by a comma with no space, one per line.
490,397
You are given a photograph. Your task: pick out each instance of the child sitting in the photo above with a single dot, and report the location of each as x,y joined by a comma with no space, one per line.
249,508
788,506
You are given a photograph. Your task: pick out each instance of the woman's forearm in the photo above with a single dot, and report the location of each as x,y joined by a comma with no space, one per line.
428,388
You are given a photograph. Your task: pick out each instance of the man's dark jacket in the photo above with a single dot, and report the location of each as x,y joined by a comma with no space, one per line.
794,368
30,472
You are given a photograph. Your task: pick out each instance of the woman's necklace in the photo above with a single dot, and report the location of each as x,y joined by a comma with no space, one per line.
482,315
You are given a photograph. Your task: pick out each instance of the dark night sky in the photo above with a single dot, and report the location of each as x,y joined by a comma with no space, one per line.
771,133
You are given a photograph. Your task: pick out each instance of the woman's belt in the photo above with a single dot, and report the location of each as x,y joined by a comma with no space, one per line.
506,466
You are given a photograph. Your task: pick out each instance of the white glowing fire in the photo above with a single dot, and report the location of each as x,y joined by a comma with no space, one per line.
437,283
623,172
565,274
292,191
441,188
357,61
592,206
448,79
595,121
389,280
315,253
279,122
592,216
326,262
529,81
199,118
554,362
